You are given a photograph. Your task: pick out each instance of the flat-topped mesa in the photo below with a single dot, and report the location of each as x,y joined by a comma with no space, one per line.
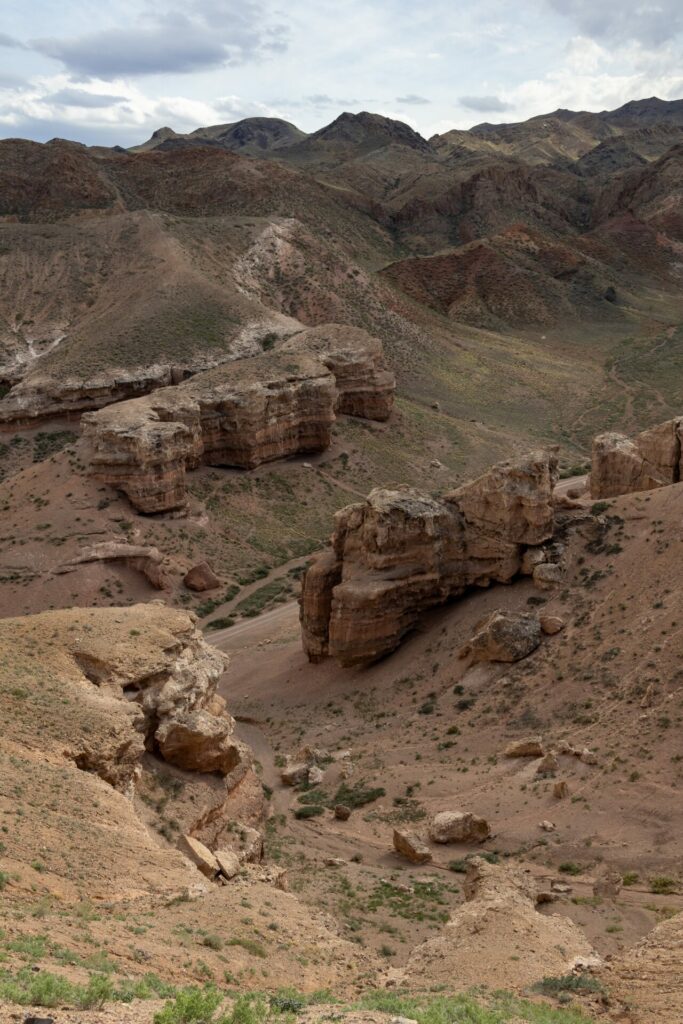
240,414
366,387
622,465
401,552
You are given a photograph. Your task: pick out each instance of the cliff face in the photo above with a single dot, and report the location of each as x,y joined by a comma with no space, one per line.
242,414
621,465
400,552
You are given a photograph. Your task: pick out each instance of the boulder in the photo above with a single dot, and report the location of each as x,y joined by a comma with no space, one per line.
548,765
401,552
201,577
561,790
532,746
551,624
200,855
228,862
505,636
458,827
548,575
293,774
411,846
342,812
199,741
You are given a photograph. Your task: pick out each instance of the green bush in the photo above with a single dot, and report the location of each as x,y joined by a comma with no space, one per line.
192,1006
567,983
663,886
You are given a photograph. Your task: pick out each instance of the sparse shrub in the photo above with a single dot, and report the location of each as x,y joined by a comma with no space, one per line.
661,885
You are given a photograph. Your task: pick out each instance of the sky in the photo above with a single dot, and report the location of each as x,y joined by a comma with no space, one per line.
108,73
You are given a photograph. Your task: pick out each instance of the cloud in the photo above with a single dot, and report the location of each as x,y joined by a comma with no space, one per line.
207,34
412,100
10,42
484,104
319,99
81,98
649,23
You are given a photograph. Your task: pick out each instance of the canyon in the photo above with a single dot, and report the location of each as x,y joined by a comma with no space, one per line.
340,646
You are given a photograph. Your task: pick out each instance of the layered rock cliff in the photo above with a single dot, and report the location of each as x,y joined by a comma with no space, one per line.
400,552
243,414
621,465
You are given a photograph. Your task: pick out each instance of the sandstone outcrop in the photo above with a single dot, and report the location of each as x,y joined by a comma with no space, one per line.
147,560
532,746
366,388
497,937
458,827
504,636
622,465
240,414
400,552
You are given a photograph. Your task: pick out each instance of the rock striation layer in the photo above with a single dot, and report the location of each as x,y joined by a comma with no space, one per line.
400,552
622,465
241,414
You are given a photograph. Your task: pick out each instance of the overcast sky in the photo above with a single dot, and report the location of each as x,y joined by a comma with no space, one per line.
111,72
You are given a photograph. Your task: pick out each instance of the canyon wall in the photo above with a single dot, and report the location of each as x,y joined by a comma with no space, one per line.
400,552
622,465
241,414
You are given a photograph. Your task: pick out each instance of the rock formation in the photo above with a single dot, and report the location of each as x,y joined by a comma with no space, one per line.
145,559
621,465
411,846
504,636
240,414
400,552
458,827
201,577
366,388
497,937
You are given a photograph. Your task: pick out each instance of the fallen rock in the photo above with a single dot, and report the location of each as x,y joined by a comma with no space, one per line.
548,765
400,552
228,863
547,826
561,790
334,862
458,827
294,774
505,636
342,812
411,846
201,577
548,575
532,746
315,775
589,756
200,855
551,624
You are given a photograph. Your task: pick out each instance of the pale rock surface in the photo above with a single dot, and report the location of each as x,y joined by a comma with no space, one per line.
228,863
411,846
551,624
458,827
200,855
145,559
497,937
532,746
